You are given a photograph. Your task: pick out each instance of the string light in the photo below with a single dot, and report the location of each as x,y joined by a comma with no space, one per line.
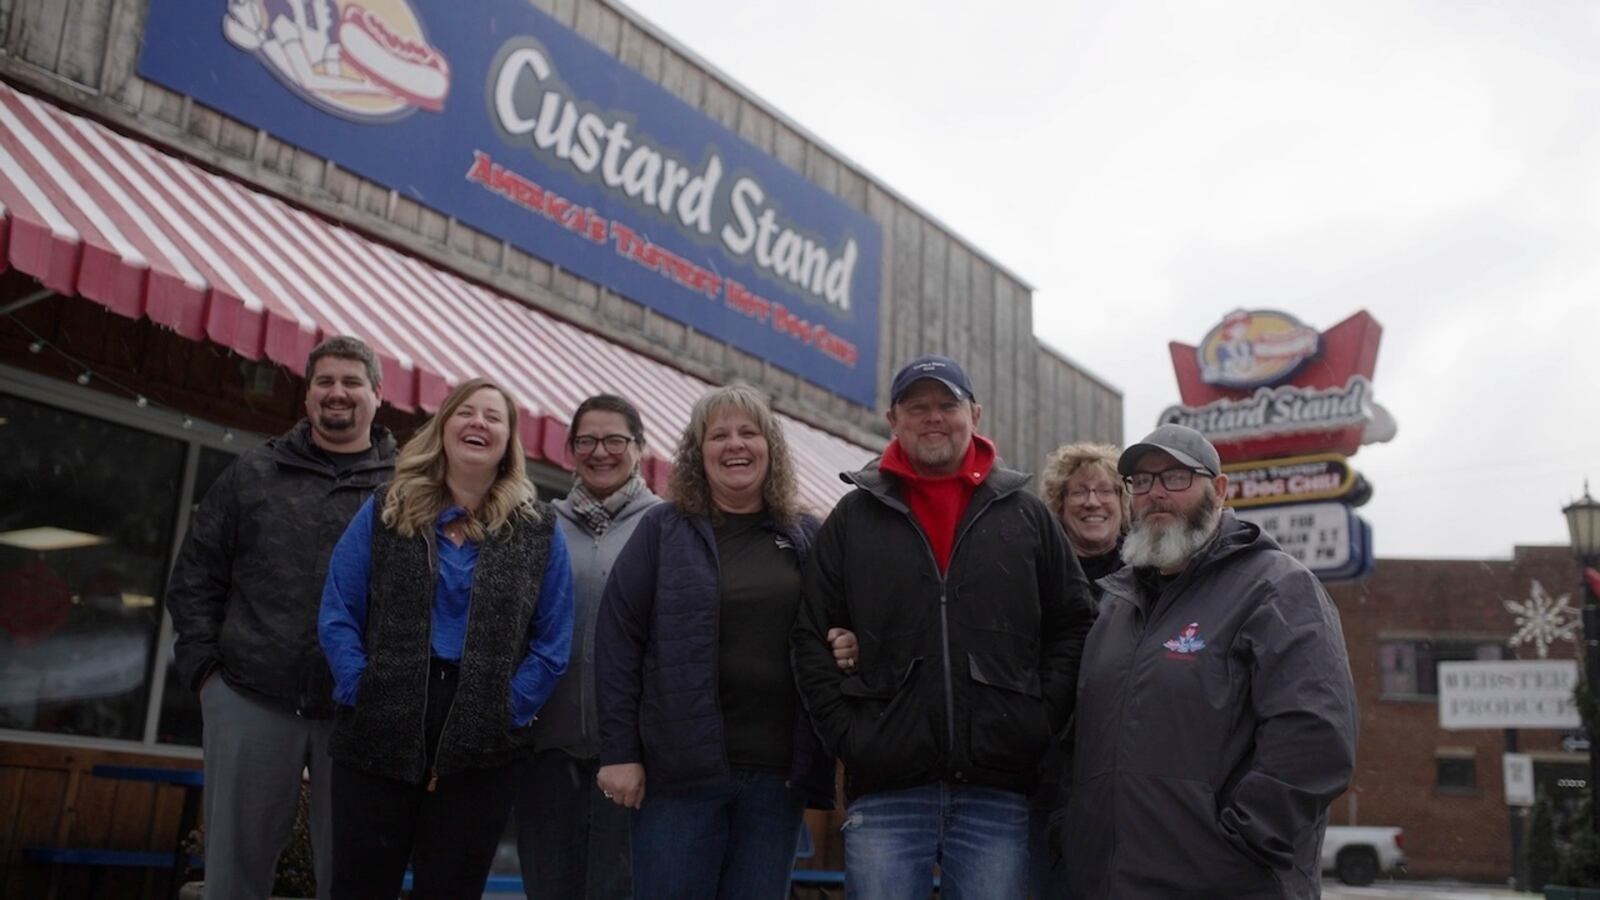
86,375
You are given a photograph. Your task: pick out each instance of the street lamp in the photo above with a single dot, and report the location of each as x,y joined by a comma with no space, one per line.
1583,524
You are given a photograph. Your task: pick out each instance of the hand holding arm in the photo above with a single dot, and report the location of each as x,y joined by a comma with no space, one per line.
818,669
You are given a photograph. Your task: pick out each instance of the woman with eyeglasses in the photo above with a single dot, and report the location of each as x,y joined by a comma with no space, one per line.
702,734
1082,486
572,841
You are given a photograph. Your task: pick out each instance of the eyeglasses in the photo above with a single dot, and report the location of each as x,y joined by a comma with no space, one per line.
1172,479
1082,495
614,443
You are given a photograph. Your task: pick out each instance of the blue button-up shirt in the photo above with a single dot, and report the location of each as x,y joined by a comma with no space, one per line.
341,624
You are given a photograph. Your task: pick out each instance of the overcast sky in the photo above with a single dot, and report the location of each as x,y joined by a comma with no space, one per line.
1151,166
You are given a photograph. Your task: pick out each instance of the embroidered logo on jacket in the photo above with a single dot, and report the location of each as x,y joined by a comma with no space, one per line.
1187,642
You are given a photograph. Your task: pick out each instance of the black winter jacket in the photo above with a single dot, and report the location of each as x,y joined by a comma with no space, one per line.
657,666
247,585
962,678
1216,722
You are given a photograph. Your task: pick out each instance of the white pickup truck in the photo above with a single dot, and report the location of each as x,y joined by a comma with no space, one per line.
1358,855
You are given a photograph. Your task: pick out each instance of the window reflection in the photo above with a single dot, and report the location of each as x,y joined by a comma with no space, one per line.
180,707
1411,667
86,526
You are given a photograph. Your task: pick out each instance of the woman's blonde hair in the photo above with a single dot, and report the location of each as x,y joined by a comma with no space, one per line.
1069,459
688,485
419,494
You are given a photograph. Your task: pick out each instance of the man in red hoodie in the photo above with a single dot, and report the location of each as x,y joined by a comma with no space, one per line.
970,614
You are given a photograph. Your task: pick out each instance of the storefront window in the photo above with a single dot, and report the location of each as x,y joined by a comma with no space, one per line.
1410,668
85,537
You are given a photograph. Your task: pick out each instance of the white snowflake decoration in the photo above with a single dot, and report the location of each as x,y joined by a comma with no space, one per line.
1542,620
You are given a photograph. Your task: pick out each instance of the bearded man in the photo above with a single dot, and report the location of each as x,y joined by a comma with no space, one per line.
1216,718
244,596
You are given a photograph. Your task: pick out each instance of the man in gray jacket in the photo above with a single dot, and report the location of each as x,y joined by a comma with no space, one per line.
1216,717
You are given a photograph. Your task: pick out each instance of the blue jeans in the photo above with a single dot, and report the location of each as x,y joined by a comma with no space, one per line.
735,841
977,836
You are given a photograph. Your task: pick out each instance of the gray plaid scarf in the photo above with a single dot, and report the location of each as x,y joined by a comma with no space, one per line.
596,513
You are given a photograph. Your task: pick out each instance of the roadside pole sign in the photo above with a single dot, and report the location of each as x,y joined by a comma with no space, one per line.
1294,479
1327,537
1517,769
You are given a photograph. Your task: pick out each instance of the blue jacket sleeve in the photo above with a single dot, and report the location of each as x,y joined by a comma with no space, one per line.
551,640
622,633
342,621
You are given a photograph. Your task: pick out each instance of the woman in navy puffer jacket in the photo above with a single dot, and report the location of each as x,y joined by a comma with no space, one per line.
702,734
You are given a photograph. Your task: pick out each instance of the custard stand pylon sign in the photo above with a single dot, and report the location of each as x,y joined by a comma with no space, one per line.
1286,406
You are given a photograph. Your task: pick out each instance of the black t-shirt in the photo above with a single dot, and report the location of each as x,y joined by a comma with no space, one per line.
760,587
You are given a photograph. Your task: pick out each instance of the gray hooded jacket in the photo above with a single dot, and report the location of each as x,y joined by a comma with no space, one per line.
568,720
1216,720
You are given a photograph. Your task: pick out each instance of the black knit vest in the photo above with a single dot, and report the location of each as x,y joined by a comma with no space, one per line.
383,734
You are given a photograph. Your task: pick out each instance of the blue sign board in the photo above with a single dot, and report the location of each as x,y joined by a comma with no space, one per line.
500,116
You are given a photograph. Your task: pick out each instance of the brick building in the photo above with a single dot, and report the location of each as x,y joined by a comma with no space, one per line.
1445,787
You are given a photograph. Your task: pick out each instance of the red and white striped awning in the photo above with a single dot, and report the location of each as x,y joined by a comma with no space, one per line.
90,212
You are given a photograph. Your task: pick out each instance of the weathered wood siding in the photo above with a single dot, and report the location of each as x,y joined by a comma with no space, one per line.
938,293
49,797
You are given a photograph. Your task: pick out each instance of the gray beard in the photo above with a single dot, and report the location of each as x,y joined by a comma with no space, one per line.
1171,547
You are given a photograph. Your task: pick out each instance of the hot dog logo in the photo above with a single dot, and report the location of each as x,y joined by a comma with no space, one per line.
1255,348
361,60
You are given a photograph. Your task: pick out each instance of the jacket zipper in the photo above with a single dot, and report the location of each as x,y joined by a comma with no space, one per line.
944,614
716,637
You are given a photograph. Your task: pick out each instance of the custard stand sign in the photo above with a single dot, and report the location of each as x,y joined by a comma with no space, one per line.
504,118
1286,406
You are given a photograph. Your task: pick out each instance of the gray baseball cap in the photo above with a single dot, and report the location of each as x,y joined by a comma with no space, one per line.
1181,442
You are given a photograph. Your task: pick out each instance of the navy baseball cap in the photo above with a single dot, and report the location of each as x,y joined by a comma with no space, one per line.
1182,443
946,370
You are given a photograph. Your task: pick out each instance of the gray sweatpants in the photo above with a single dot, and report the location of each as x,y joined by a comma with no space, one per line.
254,758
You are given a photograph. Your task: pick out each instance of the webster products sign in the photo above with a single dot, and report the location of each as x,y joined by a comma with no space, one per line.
1508,694
498,115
